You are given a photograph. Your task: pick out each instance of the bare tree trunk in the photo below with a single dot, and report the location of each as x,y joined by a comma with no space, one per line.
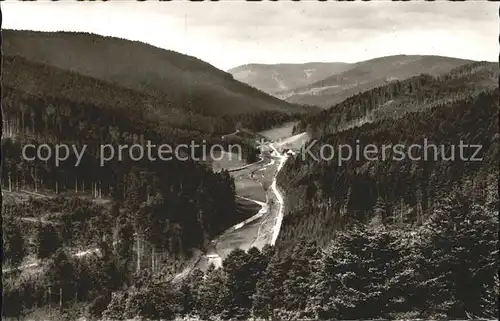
48,301
143,248
401,213
35,179
153,260
138,253
22,121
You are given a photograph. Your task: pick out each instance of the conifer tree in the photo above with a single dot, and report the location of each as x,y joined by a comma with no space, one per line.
48,240
458,246
13,242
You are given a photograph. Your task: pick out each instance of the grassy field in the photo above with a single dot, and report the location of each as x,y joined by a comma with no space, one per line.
294,143
247,187
264,175
249,183
278,133
246,208
242,238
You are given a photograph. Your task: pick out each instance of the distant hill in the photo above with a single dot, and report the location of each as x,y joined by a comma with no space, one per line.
366,75
273,78
398,98
182,81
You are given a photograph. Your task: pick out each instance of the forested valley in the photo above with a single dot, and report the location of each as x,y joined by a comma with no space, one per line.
445,268
404,198
323,196
369,239
91,228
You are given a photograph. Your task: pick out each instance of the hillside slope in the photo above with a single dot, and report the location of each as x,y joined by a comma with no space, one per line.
324,195
185,82
400,97
273,78
369,74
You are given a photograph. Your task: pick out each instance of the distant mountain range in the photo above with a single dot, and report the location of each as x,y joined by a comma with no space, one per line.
397,98
345,80
281,77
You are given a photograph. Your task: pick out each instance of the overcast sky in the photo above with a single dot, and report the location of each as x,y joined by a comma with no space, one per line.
231,33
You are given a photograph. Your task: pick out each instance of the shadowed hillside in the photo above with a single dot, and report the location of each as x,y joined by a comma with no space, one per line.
183,81
324,195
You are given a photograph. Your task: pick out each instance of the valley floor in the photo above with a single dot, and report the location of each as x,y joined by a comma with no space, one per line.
254,183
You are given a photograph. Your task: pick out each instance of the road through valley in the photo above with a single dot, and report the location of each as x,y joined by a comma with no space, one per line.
254,183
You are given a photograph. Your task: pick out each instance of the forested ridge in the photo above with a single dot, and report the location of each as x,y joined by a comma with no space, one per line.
43,104
54,116
443,210
323,197
183,81
29,78
399,97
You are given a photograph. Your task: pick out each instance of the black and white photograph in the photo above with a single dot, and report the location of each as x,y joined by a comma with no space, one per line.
250,160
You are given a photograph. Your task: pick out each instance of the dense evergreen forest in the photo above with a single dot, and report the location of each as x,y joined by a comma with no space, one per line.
186,115
156,212
79,110
368,208
445,268
368,239
76,120
323,197
139,215
364,240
